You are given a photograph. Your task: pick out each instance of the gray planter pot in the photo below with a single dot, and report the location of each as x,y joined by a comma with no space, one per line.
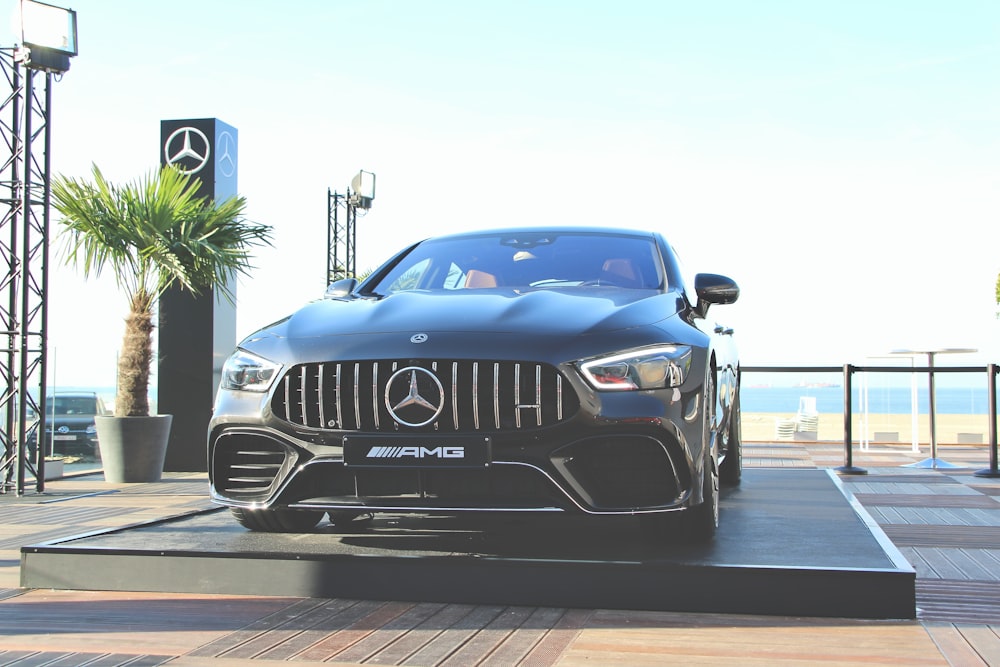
133,448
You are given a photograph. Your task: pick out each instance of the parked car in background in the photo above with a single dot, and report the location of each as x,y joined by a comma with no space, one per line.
69,424
559,370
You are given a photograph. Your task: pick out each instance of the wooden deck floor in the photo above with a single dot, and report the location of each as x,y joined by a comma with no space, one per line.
946,522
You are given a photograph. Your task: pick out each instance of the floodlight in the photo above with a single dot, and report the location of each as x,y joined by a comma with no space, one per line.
48,36
48,26
363,189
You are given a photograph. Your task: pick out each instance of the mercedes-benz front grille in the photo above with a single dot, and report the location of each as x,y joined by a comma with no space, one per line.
424,395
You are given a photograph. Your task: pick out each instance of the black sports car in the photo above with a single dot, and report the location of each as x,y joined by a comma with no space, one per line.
541,370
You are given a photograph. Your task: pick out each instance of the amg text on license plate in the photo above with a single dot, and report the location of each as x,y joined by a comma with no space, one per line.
417,452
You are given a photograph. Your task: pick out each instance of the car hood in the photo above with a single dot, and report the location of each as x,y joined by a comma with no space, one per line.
540,312
69,420
500,321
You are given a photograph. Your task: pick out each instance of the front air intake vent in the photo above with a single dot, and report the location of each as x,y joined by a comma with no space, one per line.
246,465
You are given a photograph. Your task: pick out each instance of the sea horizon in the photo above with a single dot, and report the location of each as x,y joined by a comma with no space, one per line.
829,398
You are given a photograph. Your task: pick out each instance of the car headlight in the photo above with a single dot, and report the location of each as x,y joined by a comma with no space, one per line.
248,372
91,429
649,368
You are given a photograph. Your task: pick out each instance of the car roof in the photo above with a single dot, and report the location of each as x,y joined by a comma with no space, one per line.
575,229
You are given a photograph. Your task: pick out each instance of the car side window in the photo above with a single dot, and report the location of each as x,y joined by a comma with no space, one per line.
455,278
412,278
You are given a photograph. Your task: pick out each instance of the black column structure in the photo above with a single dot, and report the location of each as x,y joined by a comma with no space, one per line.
196,333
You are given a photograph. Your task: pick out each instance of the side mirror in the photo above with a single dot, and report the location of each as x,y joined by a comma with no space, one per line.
712,288
340,288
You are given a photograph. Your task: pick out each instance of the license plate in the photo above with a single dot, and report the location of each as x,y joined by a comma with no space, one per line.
65,437
416,452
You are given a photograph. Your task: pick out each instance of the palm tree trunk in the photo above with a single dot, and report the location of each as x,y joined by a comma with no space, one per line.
132,398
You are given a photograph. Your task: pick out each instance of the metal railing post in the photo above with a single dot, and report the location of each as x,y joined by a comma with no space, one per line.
991,383
848,467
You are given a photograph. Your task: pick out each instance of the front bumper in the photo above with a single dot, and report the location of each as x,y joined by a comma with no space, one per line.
621,454
71,443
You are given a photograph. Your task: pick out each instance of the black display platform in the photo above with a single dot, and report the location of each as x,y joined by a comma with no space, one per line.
790,543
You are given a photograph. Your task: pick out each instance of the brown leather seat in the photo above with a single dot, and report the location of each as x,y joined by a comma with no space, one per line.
621,271
478,279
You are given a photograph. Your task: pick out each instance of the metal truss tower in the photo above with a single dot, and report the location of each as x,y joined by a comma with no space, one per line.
341,239
341,236
24,249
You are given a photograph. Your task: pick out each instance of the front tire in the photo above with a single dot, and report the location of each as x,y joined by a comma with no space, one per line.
731,468
701,521
697,523
277,521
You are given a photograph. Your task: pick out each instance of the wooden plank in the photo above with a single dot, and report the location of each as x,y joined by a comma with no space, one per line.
248,632
902,478
786,642
369,646
274,631
451,638
555,642
490,639
419,635
972,563
96,622
942,516
946,563
920,566
985,537
74,659
339,641
520,643
7,593
984,641
958,601
315,625
928,500
952,644
255,628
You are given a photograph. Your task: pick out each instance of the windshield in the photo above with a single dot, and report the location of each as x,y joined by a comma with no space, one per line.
527,260
72,405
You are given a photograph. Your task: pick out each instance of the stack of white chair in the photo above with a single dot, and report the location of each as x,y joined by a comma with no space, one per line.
807,419
784,429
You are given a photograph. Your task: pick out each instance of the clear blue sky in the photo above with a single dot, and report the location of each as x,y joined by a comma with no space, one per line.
840,160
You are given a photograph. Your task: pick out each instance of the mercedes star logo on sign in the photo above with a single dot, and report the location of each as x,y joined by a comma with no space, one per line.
188,148
414,396
226,159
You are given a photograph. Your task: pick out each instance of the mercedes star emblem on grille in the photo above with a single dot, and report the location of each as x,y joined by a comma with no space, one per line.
414,396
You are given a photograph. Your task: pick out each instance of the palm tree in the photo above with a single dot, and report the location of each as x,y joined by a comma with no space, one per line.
153,234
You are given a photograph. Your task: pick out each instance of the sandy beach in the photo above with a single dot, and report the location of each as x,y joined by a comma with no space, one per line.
891,428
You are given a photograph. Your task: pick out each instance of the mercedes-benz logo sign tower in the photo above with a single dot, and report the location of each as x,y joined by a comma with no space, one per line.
196,334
